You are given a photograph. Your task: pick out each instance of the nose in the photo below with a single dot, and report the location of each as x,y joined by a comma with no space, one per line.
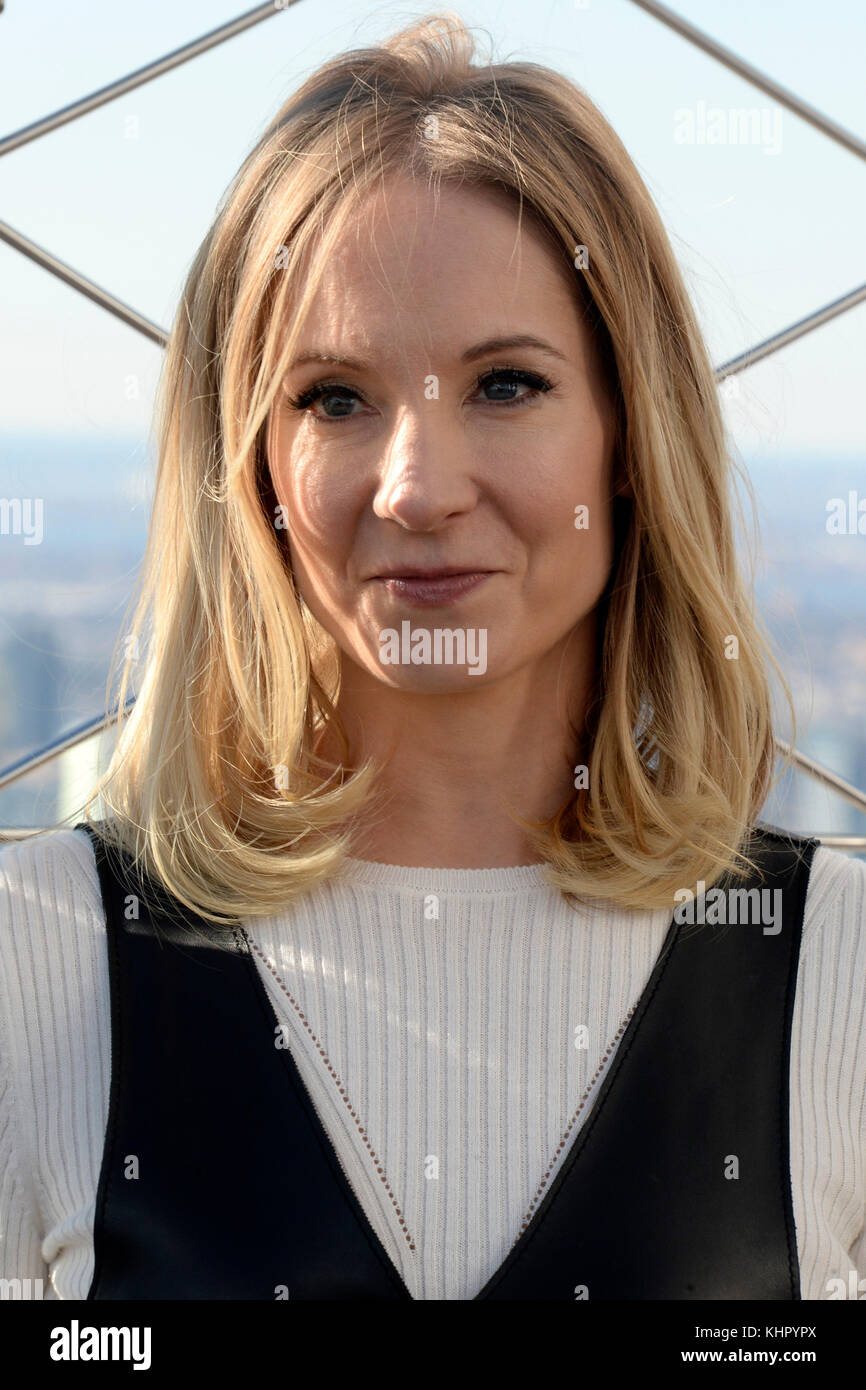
427,474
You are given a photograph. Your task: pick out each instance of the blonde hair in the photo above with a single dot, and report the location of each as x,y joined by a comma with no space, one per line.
214,786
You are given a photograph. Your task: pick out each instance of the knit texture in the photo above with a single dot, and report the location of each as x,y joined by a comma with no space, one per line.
470,1016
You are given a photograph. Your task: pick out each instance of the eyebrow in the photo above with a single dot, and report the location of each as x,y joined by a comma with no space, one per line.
490,345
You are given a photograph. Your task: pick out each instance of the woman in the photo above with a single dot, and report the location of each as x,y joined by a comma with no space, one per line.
452,700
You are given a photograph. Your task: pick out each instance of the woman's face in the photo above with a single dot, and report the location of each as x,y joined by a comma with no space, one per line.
405,463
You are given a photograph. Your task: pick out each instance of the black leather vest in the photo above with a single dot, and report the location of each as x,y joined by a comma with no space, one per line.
676,1186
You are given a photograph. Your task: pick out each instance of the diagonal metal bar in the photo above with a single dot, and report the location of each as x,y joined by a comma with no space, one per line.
822,774
791,334
855,842
731,60
142,75
79,282
31,761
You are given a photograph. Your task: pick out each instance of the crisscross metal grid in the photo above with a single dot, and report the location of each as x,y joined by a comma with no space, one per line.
44,258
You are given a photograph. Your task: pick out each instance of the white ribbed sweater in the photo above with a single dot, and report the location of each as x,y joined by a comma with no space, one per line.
453,1037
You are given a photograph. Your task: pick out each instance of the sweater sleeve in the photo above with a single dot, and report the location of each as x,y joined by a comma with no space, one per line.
828,1076
20,1227
21,1221
55,1037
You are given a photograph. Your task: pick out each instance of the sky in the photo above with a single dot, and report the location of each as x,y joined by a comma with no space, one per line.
765,233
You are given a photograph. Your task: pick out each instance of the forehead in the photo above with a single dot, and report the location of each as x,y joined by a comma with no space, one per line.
427,258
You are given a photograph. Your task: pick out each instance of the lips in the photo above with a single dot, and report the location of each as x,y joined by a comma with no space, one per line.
448,572
431,587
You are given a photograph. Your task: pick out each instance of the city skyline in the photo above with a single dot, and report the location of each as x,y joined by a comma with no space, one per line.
65,599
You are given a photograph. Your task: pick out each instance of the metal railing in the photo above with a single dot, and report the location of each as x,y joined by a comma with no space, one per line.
44,258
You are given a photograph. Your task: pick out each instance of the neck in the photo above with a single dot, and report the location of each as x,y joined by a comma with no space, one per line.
454,761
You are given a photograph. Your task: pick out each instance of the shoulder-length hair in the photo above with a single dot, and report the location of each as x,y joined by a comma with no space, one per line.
214,785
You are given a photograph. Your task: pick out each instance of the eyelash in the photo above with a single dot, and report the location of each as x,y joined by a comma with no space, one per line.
540,385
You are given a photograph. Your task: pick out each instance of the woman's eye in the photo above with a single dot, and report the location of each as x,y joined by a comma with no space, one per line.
508,377
503,380
341,395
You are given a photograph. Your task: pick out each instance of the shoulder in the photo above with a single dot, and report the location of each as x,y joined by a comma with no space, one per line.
832,972
52,923
835,899
47,875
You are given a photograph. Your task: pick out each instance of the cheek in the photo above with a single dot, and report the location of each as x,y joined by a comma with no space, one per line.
574,526
578,488
321,502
